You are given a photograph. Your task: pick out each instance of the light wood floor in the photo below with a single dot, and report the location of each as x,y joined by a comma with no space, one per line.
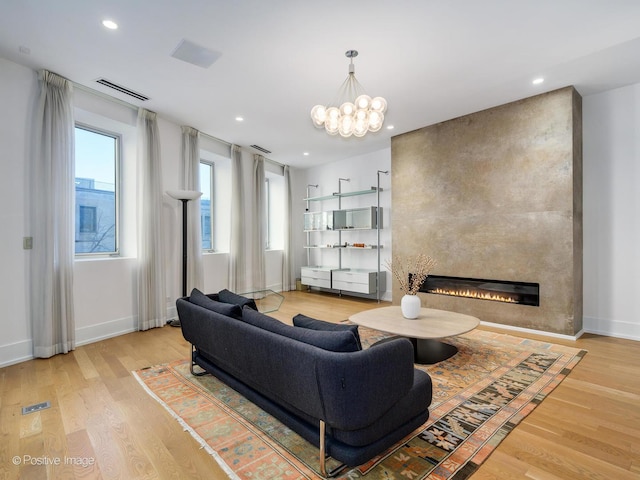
588,428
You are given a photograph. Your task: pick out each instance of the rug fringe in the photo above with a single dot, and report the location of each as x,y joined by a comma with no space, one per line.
203,444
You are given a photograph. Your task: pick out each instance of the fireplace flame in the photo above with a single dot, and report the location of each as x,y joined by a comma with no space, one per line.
474,294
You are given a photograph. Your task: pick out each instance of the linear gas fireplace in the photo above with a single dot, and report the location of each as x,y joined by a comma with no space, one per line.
522,293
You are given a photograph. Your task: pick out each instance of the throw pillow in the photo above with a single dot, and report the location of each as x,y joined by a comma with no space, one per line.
335,341
227,296
228,309
303,321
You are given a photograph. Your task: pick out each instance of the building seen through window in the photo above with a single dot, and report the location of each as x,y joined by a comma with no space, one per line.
96,215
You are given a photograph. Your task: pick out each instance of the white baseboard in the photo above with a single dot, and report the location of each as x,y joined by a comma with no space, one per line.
15,353
612,328
532,331
102,331
22,351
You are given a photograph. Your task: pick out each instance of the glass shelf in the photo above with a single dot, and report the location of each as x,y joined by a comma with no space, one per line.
344,194
341,220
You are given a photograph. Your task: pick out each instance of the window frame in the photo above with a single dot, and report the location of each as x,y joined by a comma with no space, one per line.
117,188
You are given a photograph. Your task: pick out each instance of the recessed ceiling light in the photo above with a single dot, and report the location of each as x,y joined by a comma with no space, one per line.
306,154
110,24
390,127
538,81
239,119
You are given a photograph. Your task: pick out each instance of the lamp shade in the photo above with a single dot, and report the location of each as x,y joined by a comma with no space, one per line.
184,194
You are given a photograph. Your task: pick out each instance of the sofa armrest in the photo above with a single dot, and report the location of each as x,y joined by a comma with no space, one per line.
358,392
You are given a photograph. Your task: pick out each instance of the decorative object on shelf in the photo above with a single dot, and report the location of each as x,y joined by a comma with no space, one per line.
410,275
357,112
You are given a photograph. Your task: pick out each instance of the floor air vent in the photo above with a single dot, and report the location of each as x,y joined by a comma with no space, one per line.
258,147
121,89
36,408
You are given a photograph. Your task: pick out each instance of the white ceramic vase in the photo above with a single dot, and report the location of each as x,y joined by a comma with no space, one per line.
410,306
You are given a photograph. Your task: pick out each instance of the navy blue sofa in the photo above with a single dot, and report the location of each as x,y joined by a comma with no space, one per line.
353,404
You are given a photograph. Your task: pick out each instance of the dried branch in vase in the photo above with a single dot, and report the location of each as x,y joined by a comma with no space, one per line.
412,273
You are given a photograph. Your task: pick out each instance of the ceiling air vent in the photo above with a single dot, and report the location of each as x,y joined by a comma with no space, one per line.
258,147
121,89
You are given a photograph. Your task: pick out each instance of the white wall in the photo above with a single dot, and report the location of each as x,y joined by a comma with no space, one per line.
362,174
104,288
611,133
16,97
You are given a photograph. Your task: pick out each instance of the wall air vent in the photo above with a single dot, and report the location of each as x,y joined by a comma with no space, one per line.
258,147
121,89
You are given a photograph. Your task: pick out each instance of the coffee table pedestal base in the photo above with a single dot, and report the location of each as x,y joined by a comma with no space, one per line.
429,351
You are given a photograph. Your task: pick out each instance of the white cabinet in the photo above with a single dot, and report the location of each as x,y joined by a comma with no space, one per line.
316,276
356,280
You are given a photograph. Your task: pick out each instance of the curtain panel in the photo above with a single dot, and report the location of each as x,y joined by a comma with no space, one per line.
236,246
258,239
52,218
191,181
287,254
152,310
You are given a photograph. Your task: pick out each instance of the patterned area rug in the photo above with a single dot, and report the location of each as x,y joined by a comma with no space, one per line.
480,395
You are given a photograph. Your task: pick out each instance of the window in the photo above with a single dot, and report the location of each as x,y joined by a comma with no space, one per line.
268,209
96,190
215,208
206,212
275,207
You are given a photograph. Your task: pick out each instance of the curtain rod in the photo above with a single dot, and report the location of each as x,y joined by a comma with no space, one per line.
274,162
104,95
211,137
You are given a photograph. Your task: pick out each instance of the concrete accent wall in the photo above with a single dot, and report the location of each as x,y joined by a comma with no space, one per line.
498,195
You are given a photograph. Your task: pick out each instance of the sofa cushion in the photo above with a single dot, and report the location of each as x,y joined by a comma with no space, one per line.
228,296
228,309
303,321
335,341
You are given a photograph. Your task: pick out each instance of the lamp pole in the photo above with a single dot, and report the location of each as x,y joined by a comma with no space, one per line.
184,196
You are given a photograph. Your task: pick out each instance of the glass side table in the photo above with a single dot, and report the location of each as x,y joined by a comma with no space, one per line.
266,300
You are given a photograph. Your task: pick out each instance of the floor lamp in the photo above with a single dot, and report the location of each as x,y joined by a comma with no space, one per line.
184,196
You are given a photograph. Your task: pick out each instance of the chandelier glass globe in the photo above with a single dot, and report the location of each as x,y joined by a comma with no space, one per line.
319,115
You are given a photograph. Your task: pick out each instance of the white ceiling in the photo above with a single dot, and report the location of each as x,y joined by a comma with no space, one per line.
432,60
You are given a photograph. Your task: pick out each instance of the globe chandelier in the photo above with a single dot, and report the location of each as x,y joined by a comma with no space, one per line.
357,112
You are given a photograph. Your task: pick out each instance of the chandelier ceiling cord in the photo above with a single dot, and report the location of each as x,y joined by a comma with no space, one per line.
357,112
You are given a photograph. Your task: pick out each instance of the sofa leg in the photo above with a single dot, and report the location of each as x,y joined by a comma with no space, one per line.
323,456
193,372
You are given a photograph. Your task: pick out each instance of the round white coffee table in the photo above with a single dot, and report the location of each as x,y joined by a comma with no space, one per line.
423,331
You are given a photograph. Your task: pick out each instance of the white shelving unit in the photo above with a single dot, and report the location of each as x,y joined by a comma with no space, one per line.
317,224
